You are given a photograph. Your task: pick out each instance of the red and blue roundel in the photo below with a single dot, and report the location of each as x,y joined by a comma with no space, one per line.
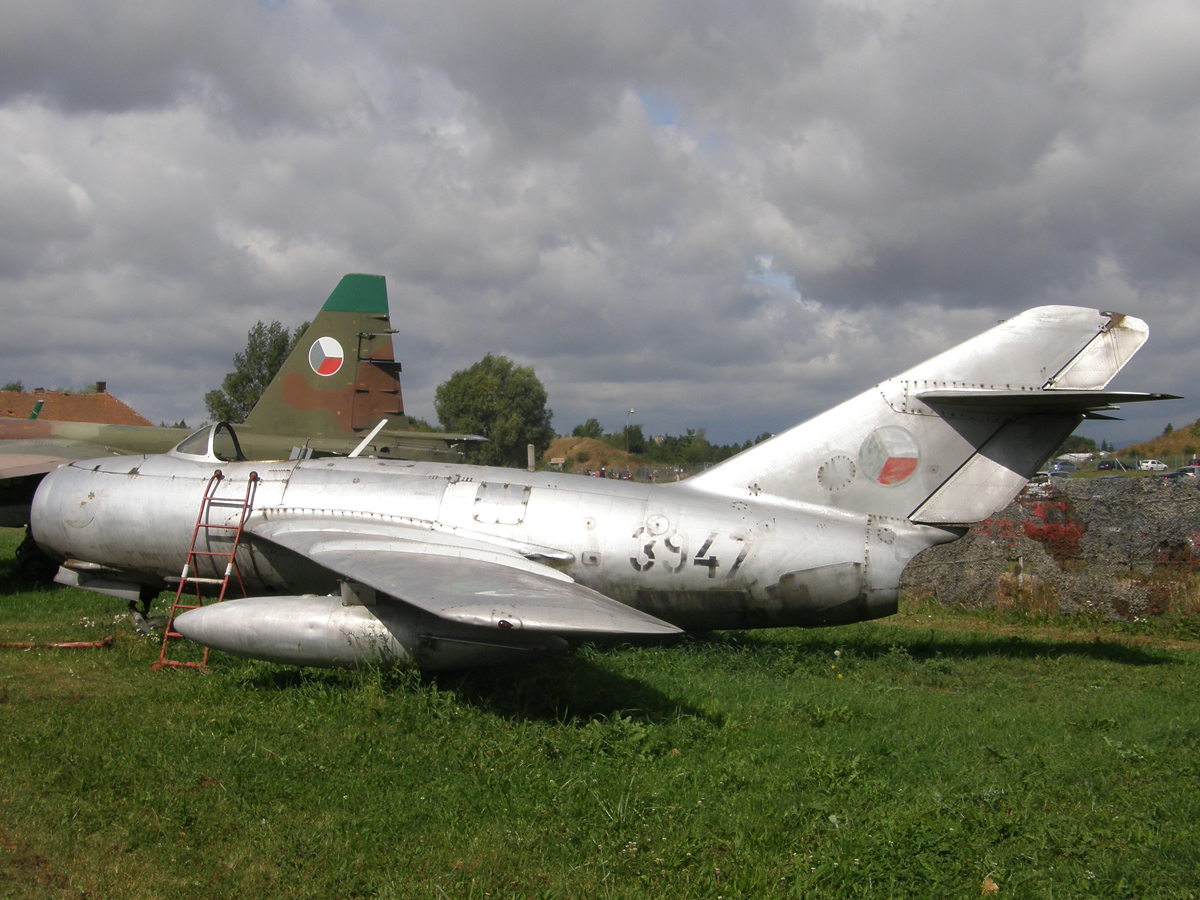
325,356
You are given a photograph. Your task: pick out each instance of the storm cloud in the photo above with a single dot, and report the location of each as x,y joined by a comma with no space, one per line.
725,215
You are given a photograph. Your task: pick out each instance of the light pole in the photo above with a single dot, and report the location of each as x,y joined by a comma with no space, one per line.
627,415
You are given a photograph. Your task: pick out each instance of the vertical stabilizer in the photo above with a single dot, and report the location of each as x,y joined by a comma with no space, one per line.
954,438
342,377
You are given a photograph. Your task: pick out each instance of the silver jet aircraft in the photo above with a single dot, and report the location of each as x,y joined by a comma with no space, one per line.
376,560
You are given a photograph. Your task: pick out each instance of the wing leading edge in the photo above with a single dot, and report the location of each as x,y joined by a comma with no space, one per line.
463,582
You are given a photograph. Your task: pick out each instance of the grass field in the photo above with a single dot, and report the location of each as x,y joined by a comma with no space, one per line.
938,754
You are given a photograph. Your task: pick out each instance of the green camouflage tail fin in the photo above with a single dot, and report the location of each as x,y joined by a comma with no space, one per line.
342,377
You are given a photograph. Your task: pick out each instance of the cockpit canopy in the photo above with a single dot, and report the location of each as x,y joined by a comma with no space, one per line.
215,443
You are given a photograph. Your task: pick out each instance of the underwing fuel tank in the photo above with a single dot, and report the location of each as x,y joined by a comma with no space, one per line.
346,632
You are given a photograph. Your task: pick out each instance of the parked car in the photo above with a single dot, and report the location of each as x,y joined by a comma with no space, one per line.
1194,471
1107,465
1038,486
1151,465
1063,468
1186,477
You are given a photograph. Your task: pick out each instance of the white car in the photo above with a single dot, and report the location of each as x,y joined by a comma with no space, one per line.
1151,465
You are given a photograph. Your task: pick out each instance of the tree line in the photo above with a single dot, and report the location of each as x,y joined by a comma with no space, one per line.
494,398
687,450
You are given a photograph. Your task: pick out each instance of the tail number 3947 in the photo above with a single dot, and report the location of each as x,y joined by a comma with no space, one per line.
671,552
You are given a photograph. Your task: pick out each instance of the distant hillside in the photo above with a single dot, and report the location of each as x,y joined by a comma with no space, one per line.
583,454
1182,442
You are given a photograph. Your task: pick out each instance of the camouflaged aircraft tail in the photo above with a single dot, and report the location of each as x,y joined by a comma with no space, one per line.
954,438
342,377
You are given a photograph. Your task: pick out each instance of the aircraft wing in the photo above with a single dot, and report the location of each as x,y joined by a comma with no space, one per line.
429,437
470,582
19,458
18,465
22,453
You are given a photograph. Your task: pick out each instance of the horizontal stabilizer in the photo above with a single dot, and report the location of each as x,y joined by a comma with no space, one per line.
1036,402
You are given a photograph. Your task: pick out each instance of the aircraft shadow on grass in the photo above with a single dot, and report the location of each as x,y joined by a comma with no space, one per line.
560,689
574,688
971,646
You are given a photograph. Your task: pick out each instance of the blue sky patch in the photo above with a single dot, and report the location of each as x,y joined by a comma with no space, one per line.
662,111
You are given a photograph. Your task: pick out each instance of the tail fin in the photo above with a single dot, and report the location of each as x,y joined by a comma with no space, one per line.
953,439
342,377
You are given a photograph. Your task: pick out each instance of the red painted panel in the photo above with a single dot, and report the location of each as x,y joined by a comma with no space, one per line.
897,469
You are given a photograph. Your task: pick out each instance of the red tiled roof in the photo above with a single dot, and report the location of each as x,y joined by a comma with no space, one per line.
61,406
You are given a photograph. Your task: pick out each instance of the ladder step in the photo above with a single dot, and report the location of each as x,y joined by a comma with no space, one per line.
231,568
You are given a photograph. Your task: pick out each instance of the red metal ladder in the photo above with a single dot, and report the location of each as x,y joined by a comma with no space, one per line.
204,523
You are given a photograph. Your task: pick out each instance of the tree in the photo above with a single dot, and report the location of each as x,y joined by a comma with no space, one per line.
589,429
1076,443
696,449
267,348
15,386
420,424
635,439
504,403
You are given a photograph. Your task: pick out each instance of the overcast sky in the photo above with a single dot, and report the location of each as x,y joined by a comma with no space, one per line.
725,215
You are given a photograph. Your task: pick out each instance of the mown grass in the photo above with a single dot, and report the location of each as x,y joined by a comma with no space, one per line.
911,758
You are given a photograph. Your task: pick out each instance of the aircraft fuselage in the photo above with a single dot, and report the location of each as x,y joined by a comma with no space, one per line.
689,558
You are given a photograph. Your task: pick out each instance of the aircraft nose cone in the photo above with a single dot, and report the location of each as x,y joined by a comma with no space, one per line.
60,506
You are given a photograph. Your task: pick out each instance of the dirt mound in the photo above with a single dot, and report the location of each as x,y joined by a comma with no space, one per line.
582,454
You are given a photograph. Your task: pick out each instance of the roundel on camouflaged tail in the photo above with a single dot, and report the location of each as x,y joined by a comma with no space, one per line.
889,456
325,356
